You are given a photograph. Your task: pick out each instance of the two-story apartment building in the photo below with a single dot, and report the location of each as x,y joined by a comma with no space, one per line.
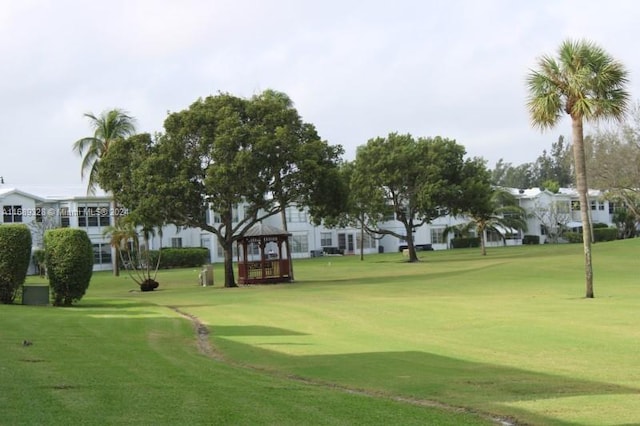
42,209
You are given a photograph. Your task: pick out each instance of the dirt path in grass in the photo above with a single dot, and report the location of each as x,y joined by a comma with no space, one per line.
202,335
206,348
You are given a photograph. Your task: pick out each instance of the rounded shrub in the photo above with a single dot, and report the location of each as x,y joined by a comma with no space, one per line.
69,261
15,254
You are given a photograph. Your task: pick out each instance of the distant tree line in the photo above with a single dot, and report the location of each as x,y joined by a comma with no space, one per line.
550,170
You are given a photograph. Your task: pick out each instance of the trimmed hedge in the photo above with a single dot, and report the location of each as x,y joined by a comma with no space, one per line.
186,257
15,255
599,235
69,260
605,234
530,239
465,242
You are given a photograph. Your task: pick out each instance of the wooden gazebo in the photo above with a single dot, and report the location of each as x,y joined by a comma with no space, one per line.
262,256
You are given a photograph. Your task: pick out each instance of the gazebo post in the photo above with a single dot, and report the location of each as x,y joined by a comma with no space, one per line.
262,257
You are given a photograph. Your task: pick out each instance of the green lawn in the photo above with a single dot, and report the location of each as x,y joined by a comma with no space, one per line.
381,341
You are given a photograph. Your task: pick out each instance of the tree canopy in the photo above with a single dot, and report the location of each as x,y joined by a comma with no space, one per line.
221,153
414,180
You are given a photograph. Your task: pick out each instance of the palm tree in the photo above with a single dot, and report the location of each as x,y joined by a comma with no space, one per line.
501,214
137,259
585,82
109,127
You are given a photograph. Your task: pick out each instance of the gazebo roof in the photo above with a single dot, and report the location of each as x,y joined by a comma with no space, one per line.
262,230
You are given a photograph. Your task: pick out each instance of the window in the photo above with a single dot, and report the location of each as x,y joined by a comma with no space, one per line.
368,241
253,249
64,217
493,236
342,241
543,229
176,242
601,206
12,214
437,236
101,254
612,207
325,239
594,204
93,216
299,243
103,216
296,216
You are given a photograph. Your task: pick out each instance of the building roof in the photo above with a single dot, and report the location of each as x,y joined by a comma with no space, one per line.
262,230
55,193
4,191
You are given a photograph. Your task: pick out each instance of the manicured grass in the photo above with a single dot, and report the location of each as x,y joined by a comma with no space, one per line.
507,334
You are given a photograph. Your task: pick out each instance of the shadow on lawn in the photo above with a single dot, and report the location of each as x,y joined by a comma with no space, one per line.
387,276
424,376
252,330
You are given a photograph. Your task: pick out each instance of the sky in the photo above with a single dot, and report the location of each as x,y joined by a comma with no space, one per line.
356,70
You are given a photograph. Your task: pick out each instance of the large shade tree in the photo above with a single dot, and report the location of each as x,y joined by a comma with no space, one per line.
586,83
299,167
222,165
412,180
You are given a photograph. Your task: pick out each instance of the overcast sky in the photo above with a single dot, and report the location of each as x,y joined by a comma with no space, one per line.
356,70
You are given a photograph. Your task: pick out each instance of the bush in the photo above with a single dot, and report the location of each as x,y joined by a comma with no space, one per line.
573,237
180,257
15,254
69,260
531,239
465,242
605,234
599,235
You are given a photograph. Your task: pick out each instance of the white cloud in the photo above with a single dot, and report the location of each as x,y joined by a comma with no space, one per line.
355,70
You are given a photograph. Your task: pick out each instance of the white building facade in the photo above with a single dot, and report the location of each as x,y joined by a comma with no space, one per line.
547,213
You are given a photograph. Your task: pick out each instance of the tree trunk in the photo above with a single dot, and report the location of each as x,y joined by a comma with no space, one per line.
483,241
229,278
283,215
116,255
362,241
413,257
583,188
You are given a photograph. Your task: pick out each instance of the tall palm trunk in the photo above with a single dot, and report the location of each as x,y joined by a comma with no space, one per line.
582,187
